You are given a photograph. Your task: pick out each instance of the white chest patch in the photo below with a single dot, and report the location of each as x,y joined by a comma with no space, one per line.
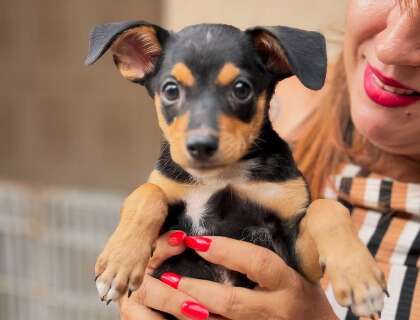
196,205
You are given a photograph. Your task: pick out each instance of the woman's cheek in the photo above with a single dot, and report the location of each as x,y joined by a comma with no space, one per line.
395,131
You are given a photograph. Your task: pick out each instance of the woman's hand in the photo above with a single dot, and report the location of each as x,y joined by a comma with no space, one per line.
281,292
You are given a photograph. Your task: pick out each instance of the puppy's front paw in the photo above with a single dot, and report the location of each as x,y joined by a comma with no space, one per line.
121,266
357,282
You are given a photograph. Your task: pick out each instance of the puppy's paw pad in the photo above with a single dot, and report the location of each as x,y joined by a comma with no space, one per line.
358,283
368,302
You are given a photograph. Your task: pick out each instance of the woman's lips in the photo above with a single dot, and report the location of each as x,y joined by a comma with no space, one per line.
387,92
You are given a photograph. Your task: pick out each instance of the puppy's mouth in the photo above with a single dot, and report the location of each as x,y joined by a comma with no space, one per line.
206,166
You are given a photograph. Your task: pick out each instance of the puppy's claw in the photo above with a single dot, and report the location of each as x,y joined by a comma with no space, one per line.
129,292
108,302
386,293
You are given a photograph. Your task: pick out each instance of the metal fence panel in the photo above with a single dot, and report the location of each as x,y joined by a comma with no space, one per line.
49,240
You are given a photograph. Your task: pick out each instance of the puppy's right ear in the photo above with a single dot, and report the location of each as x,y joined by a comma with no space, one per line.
135,45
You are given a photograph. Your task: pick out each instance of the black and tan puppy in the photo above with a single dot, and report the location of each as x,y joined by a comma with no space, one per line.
223,170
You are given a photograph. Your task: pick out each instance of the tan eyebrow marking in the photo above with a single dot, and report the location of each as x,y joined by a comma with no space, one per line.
227,74
183,74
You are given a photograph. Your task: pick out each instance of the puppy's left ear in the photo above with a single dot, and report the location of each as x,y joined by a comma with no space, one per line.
288,51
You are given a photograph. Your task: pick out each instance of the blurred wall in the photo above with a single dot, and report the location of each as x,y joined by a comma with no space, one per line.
326,16
64,123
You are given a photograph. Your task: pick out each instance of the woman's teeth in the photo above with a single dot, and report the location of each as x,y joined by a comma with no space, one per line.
393,89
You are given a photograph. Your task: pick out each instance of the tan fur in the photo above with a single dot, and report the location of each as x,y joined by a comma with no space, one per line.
129,247
227,74
285,198
175,133
183,74
328,238
174,190
161,119
236,137
125,49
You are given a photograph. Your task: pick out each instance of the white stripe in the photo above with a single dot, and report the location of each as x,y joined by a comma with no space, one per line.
338,182
338,310
372,189
409,233
395,281
329,193
350,170
369,225
412,203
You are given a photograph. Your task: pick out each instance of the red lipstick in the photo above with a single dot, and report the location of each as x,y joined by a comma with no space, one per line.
387,92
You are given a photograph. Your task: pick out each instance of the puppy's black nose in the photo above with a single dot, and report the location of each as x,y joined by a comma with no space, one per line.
202,147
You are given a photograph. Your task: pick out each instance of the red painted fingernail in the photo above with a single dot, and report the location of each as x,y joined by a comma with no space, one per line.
176,238
194,310
198,243
171,279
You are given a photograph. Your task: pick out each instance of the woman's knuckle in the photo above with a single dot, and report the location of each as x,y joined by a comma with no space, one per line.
265,261
229,301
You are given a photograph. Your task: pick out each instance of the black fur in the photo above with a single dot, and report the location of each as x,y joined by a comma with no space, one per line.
272,157
231,216
170,168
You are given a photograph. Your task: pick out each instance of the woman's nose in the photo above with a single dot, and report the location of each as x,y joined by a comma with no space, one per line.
399,42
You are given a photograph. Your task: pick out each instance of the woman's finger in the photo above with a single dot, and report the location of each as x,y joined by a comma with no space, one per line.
168,245
157,295
227,301
132,310
259,264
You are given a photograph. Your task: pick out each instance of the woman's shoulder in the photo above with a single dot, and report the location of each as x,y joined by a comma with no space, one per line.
292,103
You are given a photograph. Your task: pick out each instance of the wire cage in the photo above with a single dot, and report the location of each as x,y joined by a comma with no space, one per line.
49,241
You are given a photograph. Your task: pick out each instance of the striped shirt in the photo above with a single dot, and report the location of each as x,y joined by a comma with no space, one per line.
386,214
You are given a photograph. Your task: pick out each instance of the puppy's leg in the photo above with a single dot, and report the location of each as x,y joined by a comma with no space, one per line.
328,241
122,263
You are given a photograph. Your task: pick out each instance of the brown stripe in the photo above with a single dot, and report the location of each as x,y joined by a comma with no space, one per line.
399,196
415,307
390,240
358,217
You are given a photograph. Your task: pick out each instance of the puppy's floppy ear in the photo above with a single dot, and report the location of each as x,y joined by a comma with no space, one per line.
288,51
136,47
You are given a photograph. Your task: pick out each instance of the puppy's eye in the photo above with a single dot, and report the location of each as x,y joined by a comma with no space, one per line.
242,90
170,91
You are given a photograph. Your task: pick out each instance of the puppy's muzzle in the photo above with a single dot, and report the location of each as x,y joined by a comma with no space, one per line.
202,147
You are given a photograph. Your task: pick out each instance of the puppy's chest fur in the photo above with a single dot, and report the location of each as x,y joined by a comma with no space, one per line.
199,206
217,208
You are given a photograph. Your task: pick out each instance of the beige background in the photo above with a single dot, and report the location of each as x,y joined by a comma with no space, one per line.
326,16
63,123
